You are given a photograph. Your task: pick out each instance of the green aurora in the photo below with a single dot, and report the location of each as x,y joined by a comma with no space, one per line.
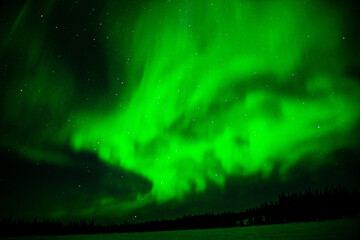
194,92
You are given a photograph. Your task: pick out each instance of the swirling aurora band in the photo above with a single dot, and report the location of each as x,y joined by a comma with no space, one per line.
212,89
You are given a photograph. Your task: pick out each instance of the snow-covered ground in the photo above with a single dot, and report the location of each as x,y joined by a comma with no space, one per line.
333,229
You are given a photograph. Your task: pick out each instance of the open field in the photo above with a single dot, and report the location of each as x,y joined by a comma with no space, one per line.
333,229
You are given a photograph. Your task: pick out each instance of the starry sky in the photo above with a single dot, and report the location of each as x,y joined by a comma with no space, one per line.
139,110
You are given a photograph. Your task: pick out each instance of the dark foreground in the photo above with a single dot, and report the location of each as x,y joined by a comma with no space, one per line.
308,206
333,229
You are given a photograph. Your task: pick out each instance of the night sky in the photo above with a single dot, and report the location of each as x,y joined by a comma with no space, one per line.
138,110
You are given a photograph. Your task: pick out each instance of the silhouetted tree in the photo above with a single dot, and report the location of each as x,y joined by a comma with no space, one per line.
331,202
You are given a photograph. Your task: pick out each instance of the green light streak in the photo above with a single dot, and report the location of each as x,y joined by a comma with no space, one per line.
211,89
227,88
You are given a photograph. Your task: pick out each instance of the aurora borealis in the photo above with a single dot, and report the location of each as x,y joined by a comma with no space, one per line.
180,100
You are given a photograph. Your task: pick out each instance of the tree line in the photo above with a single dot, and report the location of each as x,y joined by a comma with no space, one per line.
309,205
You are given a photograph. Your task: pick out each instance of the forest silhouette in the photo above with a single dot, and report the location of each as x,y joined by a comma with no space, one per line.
309,205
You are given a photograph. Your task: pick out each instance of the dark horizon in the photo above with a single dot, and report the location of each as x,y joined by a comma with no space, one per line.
311,205
336,173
